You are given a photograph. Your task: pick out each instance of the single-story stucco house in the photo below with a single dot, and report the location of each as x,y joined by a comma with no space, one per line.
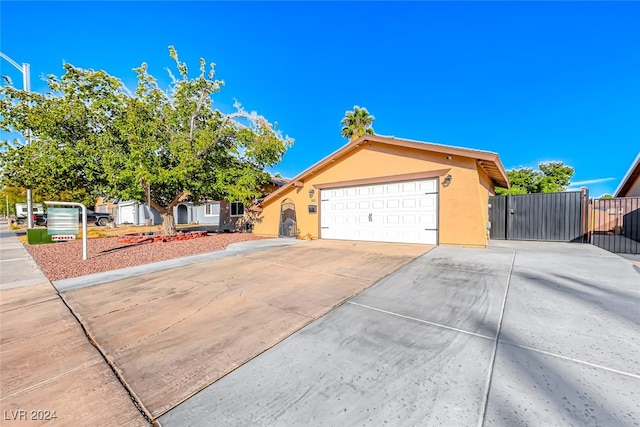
630,184
390,190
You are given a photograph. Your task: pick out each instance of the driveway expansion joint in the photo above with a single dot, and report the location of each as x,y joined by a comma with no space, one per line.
439,325
571,359
492,363
135,399
52,379
53,298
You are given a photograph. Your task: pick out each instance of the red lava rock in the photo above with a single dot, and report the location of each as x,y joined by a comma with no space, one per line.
63,260
135,238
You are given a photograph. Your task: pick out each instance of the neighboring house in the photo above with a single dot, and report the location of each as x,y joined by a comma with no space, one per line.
227,216
136,213
109,206
630,185
391,190
224,215
627,208
128,212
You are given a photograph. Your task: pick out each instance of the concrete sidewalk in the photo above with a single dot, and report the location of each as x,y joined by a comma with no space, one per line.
49,371
18,267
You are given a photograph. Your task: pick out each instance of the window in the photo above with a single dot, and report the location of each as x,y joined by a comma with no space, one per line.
212,209
237,209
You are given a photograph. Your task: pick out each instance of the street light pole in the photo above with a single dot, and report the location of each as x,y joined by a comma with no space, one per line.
26,85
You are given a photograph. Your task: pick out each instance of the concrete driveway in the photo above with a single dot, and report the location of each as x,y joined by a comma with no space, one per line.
518,334
172,333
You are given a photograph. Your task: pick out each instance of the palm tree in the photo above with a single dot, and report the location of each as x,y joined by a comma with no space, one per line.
356,123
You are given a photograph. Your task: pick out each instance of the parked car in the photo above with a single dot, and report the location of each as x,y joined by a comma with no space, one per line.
97,218
39,219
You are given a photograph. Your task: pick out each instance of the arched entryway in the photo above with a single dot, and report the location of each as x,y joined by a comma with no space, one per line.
288,225
183,215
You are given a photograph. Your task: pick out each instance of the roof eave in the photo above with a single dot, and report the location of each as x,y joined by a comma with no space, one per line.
633,172
499,177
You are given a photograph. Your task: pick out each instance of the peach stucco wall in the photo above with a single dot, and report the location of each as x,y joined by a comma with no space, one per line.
463,212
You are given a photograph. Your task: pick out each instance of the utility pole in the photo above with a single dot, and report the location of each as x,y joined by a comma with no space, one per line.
26,85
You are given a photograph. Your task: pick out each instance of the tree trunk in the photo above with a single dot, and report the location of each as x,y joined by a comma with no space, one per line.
168,225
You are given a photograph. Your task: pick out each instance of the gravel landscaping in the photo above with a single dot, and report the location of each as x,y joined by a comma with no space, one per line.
63,260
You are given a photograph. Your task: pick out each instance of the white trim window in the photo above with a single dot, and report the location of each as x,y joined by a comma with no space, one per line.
209,209
236,208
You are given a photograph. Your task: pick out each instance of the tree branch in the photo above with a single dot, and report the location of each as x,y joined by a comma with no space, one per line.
192,123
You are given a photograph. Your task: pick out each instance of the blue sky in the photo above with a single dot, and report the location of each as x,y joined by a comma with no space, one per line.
532,81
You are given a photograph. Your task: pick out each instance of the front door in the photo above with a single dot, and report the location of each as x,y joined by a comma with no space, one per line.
183,215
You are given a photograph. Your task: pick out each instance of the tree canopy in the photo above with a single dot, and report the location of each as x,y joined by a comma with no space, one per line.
551,177
91,136
356,123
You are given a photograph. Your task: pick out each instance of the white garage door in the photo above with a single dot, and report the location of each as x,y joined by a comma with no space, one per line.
127,214
404,212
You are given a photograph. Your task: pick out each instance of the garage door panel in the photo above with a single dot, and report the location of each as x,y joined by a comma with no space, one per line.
393,204
409,203
429,186
378,218
427,220
393,212
409,187
392,188
408,219
428,202
364,191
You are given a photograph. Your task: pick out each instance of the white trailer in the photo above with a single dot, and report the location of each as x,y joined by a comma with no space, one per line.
21,211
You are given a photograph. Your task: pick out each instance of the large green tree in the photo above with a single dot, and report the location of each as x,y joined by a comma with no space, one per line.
91,136
551,177
356,123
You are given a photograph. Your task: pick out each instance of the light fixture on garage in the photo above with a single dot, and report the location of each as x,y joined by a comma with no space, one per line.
447,180
311,193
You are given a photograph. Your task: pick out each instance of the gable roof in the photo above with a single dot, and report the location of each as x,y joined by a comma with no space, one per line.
489,161
629,178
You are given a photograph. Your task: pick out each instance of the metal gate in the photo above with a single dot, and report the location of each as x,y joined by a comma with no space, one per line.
288,219
541,216
615,224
